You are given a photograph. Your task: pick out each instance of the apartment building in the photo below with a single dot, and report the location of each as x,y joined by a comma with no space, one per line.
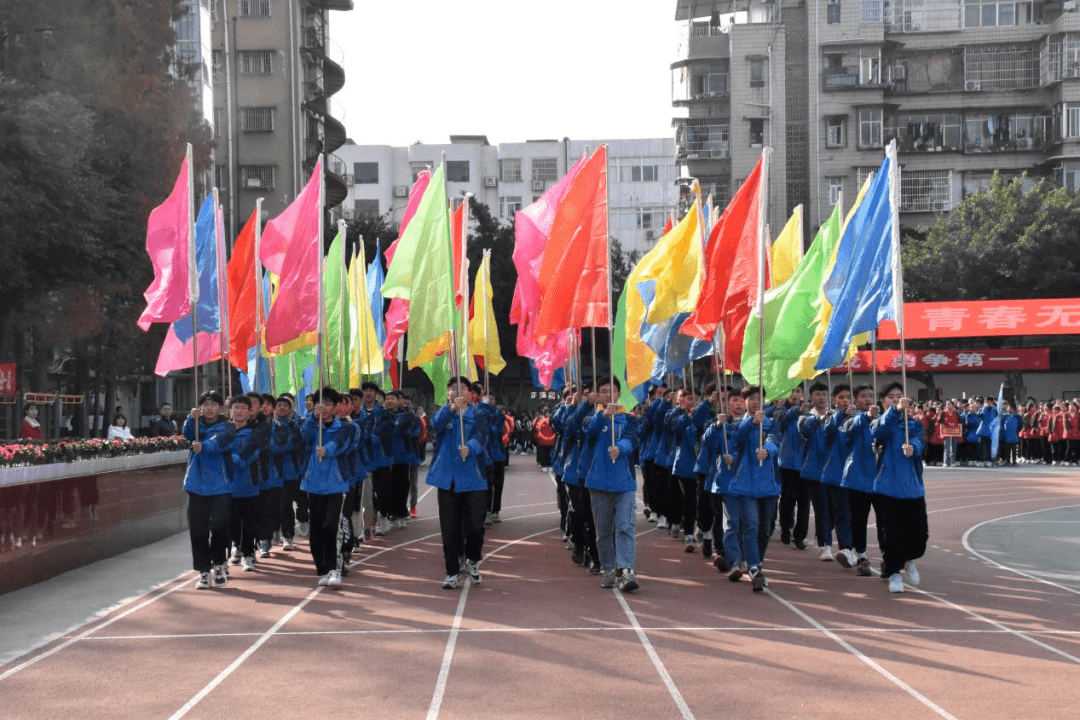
965,87
275,71
642,188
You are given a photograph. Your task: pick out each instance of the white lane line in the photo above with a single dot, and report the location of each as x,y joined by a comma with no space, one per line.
684,709
180,582
861,656
1041,498
966,540
455,630
240,660
801,629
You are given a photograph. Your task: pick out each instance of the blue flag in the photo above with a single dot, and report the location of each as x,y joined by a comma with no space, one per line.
375,279
674,351
557,381
206,261
864,285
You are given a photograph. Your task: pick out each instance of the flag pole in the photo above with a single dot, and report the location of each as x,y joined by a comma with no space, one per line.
762,225
723,371
321,333
260,301
343,378
610,314
898,270
193,282
486,267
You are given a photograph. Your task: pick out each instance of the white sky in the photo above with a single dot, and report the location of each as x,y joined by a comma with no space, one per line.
513,70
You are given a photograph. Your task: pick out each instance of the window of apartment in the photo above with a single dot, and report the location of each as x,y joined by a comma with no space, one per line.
1002,66
833,17
757,72
836,131
870,121
508,205
365,209
708,138
862,173
214,10
926,191
635,170
997,13
255,62
1070,176
757,132
870,70
924,132
992,131
708,81
258,177
457,171
546,169
366,173
254,8
510,170
836,186
219,66
221,176
417,168
1070,120
219,122
871,12
257,119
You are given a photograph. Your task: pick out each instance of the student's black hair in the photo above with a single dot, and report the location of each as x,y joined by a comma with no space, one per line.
710,388
610,381
241,400
889,388
819,387
328,393
268,398
368,385
459,380
285,398
750,390
837,389
212,396
859,388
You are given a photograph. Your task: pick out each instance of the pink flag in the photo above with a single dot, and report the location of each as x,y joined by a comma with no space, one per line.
290,248
176,355
397,316
168,242
531,229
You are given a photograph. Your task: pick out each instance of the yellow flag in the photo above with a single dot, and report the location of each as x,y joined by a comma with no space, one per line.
483,333
365,353
804,366
787,251
678,278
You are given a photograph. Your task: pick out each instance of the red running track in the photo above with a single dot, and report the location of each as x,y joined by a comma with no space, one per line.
539,638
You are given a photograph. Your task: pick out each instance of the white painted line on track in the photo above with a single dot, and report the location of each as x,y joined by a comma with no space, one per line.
941,712
1041,498
966,540
455,630
240,660
801,629
680,703
180,582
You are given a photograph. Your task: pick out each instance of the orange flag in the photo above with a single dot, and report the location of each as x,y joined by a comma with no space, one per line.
573,275
731,271
242,293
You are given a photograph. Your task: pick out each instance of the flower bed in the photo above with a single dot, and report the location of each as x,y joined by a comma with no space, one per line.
16,453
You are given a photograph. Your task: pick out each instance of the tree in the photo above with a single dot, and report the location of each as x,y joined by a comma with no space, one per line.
1007,243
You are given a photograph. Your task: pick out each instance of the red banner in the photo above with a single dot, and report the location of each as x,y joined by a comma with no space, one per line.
986,317
952,360
7,378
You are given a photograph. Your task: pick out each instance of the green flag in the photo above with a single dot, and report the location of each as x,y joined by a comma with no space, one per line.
618,354
421,272
790,310
439,374
335,299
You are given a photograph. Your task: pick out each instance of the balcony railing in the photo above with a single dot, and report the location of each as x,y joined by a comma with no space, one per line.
911,16
703,141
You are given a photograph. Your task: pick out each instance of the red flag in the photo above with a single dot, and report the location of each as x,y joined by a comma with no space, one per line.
168,242
573,274
731,271
290,247
242,295
456,230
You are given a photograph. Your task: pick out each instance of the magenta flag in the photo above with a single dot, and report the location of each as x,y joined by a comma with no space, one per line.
531,229
168,243
290,248
177,355
397,316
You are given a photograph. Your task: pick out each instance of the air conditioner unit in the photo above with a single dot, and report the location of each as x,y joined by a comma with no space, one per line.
253,183
650,235
490,181
401,191
972,85
538,185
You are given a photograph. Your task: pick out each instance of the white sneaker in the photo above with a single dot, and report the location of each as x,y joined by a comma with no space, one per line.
237,556
324,580
384,525
203,582
248,563
912,572
402,522
450,583
303,529
662,523
896,583
333,578
473,572
220,578
846,558
825,554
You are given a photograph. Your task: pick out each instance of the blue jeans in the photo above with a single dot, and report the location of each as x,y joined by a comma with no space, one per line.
741,536
950,451
613,515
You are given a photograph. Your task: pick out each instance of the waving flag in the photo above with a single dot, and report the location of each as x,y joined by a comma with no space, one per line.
786,253
208,308
366,358
483,332
397,316
243,283
168,243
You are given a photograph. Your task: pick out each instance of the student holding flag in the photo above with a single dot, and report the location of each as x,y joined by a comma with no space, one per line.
325,482
206,481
